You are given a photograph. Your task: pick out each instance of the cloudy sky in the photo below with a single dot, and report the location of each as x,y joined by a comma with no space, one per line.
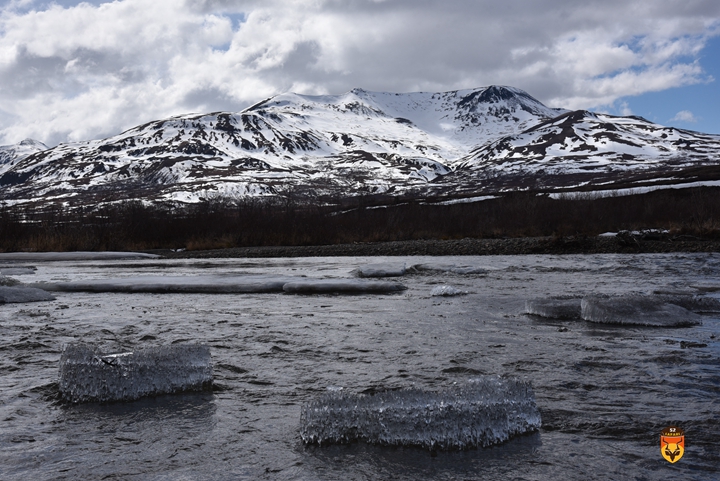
74,70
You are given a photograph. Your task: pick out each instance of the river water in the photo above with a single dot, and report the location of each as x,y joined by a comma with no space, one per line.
604,392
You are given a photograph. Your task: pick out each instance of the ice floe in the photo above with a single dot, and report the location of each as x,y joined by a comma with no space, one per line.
446,291
221,285
73,256
16,271
311,286
8,281
19,294
173,284
453,268
381,270
692,303
636,310
485,411
554,308
86,375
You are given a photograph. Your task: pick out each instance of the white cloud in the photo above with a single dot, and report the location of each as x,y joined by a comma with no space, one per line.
684,116
97,69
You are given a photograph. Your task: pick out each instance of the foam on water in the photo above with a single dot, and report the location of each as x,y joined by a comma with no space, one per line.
20,294
636,310
86,375
446,291
481,412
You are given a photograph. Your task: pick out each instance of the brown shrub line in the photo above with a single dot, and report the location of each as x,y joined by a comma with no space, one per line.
277,221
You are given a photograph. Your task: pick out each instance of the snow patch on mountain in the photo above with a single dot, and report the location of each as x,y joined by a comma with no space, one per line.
12,154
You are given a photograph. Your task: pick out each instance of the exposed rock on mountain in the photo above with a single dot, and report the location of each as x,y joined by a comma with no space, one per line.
466,142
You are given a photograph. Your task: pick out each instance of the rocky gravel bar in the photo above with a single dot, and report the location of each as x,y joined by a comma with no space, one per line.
525,245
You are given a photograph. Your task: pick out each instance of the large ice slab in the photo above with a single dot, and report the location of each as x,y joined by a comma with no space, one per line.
381,270
20,294
174,284
17,270
351,286
693,303
86,375
453,268
554,308
482,412
636,310
73,256
8,281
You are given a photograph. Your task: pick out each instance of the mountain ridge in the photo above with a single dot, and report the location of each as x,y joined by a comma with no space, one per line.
358,143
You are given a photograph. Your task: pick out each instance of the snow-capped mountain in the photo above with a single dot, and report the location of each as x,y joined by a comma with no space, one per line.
461,142
12,154
580,148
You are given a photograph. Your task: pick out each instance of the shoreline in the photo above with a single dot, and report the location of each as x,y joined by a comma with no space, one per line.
466,247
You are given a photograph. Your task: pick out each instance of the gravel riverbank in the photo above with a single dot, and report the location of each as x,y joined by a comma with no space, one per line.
526,245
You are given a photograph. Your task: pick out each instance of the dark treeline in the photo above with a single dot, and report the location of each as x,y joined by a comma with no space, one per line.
275,221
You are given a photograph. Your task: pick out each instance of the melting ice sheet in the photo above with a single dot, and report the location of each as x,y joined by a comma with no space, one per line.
18,294
173,284
554,308
381,270
222,285
480,412
452,268
636,310
310,286
86,375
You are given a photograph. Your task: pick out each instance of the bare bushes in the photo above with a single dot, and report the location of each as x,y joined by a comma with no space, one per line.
221,223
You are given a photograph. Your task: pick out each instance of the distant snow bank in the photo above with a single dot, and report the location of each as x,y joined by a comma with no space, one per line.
73,256
596,194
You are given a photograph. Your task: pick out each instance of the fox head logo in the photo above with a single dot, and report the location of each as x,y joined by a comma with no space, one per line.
672,444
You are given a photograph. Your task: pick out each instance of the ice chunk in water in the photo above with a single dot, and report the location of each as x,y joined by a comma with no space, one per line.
310,286
554,308
455,269
693,303
174,284
381,270
17,271
482,412
23,294
8,281
87,375
636,310
446,291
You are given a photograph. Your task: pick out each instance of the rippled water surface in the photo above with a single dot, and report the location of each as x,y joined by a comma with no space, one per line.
604,392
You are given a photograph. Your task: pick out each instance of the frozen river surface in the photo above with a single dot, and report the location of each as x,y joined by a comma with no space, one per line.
604,391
